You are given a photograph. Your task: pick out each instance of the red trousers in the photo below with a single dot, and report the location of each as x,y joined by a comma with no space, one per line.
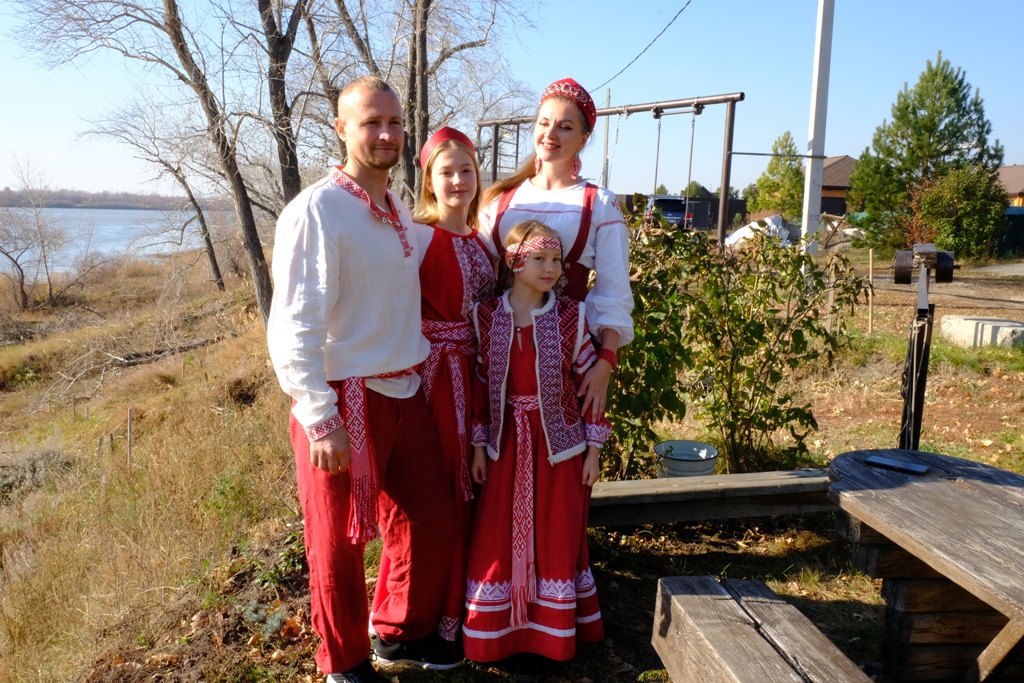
416,514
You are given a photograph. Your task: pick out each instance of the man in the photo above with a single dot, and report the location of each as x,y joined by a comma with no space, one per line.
344,337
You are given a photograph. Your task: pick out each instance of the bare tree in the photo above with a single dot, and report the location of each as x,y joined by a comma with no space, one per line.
416,46
166,145
46,238
16,248
156,34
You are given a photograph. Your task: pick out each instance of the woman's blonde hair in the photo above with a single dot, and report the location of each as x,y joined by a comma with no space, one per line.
519,233
427,210
528,168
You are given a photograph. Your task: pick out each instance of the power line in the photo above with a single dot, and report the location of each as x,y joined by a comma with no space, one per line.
645,49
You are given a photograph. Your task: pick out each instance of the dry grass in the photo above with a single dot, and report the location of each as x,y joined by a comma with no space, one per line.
109,536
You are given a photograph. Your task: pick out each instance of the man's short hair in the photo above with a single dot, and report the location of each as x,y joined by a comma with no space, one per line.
371,83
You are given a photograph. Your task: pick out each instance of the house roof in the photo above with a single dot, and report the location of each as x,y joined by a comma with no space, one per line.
836,172
1012,178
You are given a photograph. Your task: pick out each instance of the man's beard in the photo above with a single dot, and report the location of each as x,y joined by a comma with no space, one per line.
374,161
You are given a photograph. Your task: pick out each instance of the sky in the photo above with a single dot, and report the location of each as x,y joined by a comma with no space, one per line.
762,49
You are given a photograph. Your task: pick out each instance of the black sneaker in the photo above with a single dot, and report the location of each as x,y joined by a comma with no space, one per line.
433,653
526,667
364,673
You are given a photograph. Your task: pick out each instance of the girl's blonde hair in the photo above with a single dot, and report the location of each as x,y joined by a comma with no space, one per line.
519,233
528,169
427,210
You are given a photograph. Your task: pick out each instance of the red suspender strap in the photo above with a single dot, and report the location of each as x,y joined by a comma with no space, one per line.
503,201
589,194
576,276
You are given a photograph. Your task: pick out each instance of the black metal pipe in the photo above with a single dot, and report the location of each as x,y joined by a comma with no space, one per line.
633,108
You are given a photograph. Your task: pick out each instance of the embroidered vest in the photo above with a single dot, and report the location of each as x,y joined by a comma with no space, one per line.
558,335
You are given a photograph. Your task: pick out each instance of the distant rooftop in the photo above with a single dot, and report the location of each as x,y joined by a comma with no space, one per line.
836,172
1012,178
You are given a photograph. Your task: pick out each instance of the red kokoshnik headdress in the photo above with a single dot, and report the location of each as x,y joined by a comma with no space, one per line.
570,89
443,135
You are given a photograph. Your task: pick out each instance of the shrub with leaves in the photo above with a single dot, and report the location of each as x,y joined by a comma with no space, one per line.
752,314
647,385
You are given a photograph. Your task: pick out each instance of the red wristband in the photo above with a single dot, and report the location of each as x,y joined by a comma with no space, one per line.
610,356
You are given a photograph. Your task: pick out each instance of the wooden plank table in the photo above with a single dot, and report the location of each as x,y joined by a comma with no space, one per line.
962,519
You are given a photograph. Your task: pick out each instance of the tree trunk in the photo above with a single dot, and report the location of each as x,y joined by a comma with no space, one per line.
279,48
204,231
227,157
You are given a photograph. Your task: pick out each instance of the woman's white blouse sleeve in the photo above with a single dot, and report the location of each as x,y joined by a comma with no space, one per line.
610,300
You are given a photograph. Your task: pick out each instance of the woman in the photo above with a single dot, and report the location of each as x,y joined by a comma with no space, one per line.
588,220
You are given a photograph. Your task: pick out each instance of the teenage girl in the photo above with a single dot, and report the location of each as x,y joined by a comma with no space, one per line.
529,588
455,273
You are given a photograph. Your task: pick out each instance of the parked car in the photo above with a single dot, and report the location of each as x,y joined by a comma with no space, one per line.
673,209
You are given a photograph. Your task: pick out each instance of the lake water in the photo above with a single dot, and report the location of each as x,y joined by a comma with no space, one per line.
113,232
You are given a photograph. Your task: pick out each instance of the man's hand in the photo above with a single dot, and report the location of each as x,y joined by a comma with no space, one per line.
331,453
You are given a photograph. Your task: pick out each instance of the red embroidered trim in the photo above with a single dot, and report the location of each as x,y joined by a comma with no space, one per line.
392,219
448,340
524,572
324,428
362,520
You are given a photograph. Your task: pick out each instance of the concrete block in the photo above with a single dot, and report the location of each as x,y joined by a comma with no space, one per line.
968,331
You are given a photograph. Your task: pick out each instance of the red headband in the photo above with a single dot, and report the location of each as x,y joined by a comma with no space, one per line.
572,90
443,135
516,260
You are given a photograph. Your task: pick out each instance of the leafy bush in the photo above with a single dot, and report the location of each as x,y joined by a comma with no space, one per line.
647,386
752,314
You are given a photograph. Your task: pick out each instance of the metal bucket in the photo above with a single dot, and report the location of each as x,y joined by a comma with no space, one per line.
685,458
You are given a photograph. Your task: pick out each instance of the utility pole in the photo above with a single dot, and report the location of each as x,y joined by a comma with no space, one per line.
819,109
607,125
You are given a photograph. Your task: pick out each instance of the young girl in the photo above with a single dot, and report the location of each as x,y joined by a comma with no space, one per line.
455,273
529,588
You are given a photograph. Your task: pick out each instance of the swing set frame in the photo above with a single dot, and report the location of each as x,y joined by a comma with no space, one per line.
657,108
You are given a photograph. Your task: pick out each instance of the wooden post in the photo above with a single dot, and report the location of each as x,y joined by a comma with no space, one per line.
74,400
129,438
871,292
86,412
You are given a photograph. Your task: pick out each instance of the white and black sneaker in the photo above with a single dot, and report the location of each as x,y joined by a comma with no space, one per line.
364,673
432,653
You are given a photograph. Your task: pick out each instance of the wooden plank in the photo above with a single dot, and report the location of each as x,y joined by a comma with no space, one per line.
703,636
975,539
959,628
724,496
998,655
711,486
806,648
884,561
929,595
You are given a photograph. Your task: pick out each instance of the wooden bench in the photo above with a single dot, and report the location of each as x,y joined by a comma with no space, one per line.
934,629
706,631
722,496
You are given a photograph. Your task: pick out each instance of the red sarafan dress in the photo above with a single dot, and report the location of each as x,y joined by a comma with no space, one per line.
456,272
530,508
